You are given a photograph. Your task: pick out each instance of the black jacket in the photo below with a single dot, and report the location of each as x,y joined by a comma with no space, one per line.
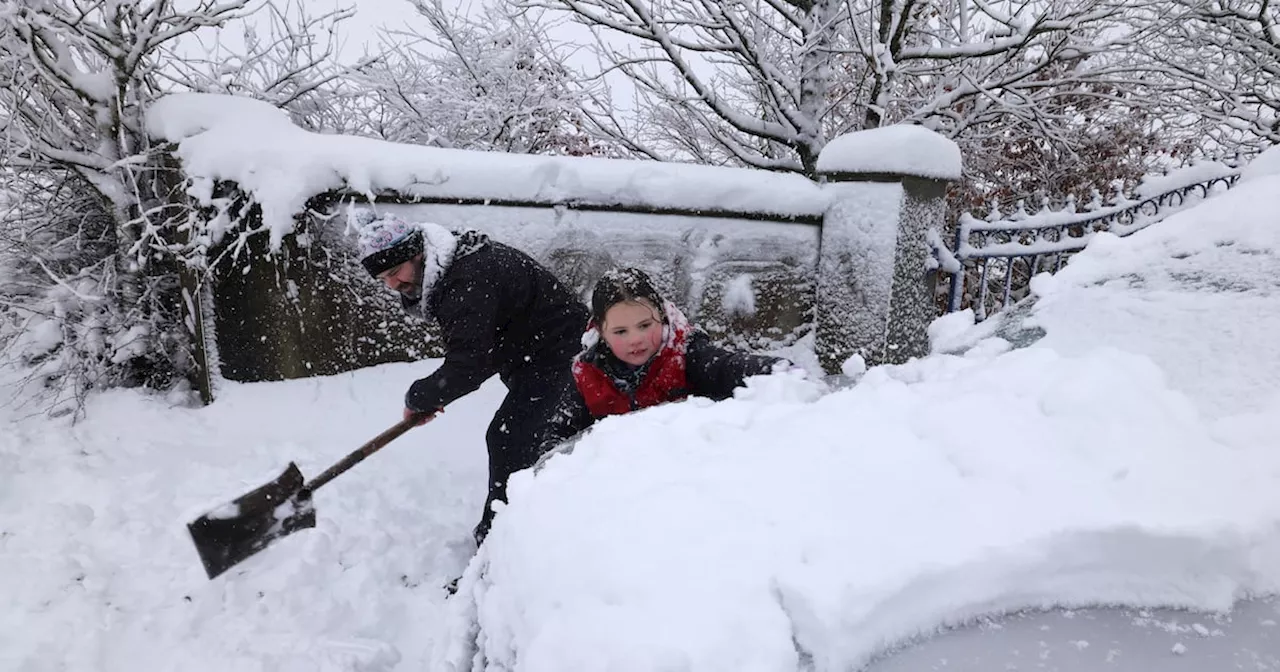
499,312
710,371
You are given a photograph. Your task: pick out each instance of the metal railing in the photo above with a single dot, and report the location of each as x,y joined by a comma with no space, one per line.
1004,254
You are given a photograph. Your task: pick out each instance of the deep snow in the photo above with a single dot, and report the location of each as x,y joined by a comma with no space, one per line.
1123,452
1114,442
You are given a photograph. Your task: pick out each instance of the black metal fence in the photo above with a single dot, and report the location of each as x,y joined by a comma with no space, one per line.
993,260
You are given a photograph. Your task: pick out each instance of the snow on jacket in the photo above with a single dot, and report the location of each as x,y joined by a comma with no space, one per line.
499,311
687,364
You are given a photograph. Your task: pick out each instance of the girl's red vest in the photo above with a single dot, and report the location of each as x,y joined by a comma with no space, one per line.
663,381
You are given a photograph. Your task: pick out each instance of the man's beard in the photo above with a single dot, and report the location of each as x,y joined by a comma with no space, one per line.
413,291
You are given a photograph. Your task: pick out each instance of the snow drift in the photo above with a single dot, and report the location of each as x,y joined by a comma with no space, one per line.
1122,453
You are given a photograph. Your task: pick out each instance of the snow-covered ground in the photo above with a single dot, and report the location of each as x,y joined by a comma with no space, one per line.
98,573
1114,443
1125,454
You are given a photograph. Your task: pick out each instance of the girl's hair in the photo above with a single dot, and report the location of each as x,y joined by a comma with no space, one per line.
619,286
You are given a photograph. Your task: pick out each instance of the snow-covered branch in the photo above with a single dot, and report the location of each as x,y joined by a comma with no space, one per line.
768,82
755,74
286,56
479,82
1220,61
96,239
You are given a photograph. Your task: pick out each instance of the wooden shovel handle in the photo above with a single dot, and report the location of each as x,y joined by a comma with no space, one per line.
366,450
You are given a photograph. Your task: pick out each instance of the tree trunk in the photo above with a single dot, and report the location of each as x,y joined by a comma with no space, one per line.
815,79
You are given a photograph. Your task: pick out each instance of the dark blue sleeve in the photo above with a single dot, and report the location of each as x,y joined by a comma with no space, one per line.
468,323
571,418
715,372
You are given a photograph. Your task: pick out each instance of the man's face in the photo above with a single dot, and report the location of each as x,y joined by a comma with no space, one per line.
405,278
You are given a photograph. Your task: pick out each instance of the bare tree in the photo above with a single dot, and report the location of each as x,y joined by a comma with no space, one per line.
1101,135
101,256
1216,66
767,82
77,76
284,55
484,82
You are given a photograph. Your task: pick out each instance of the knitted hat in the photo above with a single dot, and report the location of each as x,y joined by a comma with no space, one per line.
623,284
387,242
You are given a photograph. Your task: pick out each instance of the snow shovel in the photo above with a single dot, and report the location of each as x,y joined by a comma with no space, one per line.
232,532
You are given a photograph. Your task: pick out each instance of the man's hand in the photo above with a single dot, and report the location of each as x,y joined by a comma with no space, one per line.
422,418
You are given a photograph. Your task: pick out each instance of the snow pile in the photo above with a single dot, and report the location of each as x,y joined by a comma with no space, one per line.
1125,454
180,116
250,143
903,149
739,297
1199,295
766,531
1266,163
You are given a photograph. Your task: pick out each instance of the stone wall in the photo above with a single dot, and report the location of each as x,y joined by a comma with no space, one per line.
849,278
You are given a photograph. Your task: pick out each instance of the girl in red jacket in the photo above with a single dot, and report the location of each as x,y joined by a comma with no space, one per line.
639,350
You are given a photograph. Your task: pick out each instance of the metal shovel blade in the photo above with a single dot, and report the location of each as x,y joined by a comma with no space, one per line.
232,532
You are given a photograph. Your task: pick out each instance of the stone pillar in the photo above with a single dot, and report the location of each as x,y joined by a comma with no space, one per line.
887,188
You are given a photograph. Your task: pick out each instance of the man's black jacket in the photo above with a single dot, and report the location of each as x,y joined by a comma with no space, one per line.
502,312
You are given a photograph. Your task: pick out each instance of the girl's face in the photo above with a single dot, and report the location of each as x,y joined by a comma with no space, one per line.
633,331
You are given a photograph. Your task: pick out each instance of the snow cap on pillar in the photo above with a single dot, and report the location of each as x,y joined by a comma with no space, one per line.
902,150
